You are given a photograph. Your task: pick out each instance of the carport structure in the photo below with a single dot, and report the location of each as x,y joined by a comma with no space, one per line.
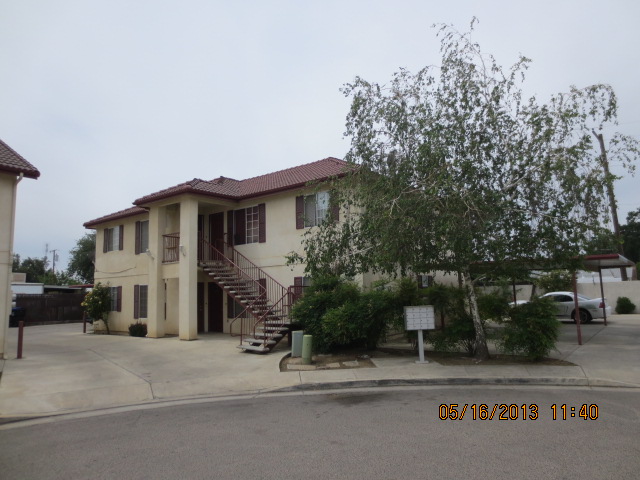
593,263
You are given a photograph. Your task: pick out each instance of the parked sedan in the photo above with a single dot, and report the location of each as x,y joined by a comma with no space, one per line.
590,308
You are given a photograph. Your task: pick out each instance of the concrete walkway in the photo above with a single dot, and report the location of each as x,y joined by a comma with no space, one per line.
65,371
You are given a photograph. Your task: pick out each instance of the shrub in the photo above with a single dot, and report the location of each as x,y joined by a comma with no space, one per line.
138,329
532,329
624,305
338,314
97,303
494,305
555,280
459,334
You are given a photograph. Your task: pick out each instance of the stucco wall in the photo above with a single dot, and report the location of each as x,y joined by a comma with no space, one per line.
7,212
613,290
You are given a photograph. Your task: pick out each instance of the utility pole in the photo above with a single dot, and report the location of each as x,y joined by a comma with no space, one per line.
612,201
53,257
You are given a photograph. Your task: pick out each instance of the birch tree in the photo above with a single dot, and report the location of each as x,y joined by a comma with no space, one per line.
453,167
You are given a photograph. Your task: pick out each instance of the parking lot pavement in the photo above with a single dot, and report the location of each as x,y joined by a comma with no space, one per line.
64,370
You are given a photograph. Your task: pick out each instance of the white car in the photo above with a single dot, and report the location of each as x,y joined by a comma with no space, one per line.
590,308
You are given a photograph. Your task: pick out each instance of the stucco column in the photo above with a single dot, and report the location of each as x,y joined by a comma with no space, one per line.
156,298
8,192
188,270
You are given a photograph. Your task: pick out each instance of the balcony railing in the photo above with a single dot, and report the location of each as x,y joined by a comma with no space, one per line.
171,247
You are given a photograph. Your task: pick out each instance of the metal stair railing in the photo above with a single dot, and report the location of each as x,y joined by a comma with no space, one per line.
271,295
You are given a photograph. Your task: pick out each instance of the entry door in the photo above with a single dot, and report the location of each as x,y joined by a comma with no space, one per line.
216,230
200,307
215,308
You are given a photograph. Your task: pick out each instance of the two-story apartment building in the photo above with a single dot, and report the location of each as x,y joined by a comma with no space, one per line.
209,256
13,168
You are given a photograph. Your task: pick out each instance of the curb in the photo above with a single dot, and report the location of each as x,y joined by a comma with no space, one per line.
457,381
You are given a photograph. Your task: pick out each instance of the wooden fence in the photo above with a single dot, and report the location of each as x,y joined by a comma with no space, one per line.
51,308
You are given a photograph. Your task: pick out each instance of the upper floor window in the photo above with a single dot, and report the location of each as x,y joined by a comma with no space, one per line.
247,225
312,210
142,236
113,238
253,224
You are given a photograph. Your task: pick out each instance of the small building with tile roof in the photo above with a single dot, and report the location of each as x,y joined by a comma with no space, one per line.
157,256
13,168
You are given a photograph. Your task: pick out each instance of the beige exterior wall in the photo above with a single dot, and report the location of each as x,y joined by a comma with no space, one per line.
8,188
612,291
172,286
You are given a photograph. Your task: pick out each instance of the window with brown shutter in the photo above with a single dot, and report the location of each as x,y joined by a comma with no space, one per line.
240,231
136,301
230,227
121,238
299,212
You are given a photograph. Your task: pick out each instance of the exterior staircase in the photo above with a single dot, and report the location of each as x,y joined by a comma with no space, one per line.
264,320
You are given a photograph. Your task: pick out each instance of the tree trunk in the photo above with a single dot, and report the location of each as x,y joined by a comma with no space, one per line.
612,200
482,350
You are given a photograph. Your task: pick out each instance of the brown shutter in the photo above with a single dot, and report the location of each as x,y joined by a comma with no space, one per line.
299,212
335,213
138,238
121,228
105,243
230,227
136,301
119,299
240,223
297,286
262,223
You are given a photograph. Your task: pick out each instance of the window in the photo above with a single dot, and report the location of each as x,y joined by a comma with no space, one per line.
142,236
113,238
312,210
116,299
140,300
247,225
252,225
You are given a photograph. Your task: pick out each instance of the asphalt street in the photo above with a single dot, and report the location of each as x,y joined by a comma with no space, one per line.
383,433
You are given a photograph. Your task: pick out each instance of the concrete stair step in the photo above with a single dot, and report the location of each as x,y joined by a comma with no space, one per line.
252,348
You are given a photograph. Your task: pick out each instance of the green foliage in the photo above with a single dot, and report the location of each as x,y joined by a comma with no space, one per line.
447,301
631,235
338,314
81,258
35,268
532,329
459,334
555,280
138,329
494,305
97,303
456,167
38,271
624,305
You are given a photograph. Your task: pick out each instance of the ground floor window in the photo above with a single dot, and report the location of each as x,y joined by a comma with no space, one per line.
140,300
116,299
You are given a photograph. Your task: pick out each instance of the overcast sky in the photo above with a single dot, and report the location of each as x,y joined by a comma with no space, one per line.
115,99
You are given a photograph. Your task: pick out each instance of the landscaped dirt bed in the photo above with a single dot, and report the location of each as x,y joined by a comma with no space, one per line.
362,359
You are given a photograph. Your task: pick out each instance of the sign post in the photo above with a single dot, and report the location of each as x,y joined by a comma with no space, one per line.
421,317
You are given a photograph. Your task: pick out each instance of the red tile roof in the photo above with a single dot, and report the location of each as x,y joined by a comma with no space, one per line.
228,188
11,161
129,212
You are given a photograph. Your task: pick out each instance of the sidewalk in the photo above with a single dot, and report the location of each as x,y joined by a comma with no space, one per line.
64,370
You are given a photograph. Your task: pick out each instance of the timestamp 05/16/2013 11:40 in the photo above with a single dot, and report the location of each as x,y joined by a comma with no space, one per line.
513,411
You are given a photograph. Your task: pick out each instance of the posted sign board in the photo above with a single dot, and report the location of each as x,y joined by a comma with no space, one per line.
421,317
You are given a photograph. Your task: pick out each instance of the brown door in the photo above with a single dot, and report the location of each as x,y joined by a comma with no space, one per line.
215,308
216,230
200,307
